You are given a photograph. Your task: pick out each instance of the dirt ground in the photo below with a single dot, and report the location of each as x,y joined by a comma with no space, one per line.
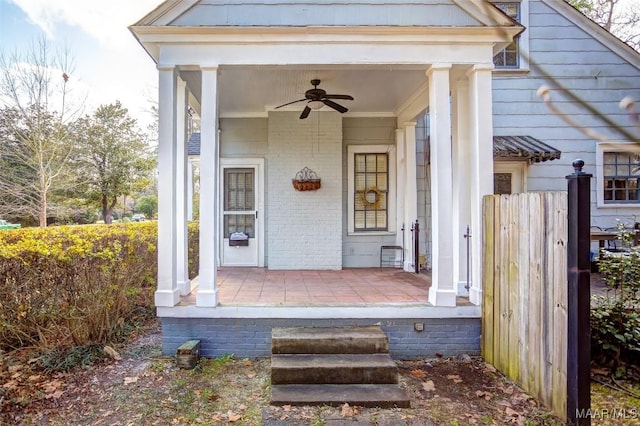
145,388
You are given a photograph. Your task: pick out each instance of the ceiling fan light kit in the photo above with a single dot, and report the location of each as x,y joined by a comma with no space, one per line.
315,105
317,99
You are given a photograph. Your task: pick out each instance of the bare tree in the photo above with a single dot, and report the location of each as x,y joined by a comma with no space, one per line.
34,89
619,18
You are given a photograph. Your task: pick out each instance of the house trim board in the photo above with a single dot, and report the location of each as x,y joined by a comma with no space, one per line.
321,312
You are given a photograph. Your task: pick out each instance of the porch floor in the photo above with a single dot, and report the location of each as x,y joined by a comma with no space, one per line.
348,287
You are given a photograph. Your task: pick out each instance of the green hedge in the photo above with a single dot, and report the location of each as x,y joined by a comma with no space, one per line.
69,286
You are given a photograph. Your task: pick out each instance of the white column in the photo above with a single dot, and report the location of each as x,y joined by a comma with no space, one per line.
411,191
461,183
189,190
208,292
480,111
184,285
442,291
167,293
400,193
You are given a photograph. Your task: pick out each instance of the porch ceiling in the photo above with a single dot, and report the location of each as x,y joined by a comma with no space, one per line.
250,91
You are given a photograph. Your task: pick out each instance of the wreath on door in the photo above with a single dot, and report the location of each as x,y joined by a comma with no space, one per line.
371,197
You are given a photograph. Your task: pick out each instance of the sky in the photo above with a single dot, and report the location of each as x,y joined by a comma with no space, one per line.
109,63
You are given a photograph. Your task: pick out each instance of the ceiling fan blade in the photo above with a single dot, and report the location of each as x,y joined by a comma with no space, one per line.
335,106
283,105
346,97
305,112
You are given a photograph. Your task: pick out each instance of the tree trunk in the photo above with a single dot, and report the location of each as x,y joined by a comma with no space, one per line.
42,214
107,213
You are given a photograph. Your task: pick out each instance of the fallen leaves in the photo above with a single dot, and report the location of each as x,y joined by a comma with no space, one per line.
233,417
490,368
112,353
52,389
419,374
428,386
454,377
129,380
483,394
349,411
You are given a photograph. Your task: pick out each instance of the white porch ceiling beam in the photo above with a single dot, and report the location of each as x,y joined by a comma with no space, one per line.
338,54
414,105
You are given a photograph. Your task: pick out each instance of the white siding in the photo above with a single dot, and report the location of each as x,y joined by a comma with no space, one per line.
304,227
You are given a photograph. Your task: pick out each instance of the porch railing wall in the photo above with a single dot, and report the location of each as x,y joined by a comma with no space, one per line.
524,325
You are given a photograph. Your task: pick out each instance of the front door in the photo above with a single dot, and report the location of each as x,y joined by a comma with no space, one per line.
241,202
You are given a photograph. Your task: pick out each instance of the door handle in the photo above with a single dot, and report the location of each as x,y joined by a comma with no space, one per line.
256,214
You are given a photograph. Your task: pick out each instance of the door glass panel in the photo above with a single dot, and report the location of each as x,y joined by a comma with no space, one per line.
238,190
239,223
239,196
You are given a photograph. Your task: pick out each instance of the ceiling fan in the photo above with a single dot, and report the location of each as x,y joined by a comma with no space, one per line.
317,98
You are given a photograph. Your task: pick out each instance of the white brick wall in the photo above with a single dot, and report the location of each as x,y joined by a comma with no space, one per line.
304,227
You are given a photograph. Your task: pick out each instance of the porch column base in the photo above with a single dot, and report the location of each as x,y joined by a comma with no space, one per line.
207,298
186,287
167,298
440,297
475,295
462,291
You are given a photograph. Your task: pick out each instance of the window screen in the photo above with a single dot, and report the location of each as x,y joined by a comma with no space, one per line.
621,176
371,191
239,197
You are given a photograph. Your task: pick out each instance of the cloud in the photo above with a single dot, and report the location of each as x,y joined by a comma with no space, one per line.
104,20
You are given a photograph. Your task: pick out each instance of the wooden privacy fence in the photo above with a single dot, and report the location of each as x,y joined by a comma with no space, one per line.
524,320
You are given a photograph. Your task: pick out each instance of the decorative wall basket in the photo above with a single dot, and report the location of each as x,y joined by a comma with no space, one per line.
306,180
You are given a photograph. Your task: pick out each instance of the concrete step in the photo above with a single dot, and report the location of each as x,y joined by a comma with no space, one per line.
383,396
333,368
328,340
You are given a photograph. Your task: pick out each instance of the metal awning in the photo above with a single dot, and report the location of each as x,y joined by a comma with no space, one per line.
523,148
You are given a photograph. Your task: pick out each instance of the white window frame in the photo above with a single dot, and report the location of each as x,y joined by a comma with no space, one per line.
523,44
518,170
390,150
601,148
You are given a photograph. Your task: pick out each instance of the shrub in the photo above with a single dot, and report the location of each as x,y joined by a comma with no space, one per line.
70,286
615,319
73,286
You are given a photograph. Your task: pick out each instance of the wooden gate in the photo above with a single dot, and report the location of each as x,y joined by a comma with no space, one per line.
524,325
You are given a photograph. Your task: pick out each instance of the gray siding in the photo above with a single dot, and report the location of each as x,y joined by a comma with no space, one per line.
319,13
251,337
363,250
243,137
590,70
247,138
